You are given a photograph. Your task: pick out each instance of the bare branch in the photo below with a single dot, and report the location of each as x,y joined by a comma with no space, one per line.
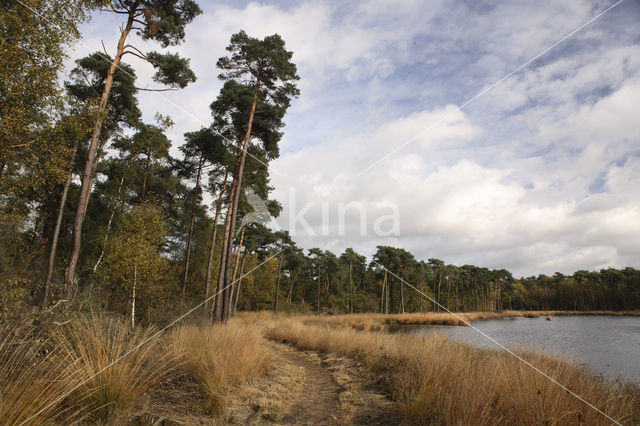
55,305
144,58
158,90
140,22
139,52
121,4
21,144
114,10
89,83
104,48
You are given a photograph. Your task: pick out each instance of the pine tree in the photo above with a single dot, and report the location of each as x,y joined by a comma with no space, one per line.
264,69
159,20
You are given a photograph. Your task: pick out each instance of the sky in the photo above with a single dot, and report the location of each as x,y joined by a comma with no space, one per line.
476,132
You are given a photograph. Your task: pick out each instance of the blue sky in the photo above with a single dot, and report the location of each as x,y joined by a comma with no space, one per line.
540,174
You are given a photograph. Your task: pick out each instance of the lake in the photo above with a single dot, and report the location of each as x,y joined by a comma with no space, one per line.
609,345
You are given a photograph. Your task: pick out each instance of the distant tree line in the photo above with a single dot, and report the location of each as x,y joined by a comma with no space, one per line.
323,282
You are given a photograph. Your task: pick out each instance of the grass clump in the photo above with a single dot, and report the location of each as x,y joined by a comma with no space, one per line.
111,376
34,378
221,357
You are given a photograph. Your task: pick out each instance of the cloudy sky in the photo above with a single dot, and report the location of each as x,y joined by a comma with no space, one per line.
540,173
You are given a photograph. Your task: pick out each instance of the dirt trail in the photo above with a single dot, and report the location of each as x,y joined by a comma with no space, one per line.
318,402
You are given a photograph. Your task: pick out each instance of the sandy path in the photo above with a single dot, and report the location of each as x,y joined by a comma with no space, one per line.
318,401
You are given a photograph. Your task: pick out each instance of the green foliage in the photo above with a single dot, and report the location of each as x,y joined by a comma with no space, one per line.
134,254
87,84
34,35
165,19
265,60
172,70
15,296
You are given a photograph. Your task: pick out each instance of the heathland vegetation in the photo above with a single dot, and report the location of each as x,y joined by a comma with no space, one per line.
106,239
193,374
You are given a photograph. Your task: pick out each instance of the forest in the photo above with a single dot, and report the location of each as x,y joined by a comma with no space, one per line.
94,210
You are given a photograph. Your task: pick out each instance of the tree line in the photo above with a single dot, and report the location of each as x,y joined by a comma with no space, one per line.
94,210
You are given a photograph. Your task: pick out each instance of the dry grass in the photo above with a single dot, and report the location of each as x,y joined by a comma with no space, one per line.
221,357
92,344
439,382
94,369
381,322
435,381
266,398
31,382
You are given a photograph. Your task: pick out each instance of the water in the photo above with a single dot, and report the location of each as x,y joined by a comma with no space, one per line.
609,345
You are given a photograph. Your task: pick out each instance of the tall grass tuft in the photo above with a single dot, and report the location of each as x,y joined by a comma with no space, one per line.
33,379
221,357
106,388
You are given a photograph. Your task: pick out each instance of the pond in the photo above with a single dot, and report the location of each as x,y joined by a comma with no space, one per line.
609,345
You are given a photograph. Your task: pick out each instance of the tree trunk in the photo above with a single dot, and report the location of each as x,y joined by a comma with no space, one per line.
401,297
326,289
275,301
193,221
390,292
218,301
438,295
456,296
213,244
235,302
235,268
85,188
386,294
224,274
318,301
133,297
350,290
56,230
384,284
434,295
113,212
291,290
94,168
144,179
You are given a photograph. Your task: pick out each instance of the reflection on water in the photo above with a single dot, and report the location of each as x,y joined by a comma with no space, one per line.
607,344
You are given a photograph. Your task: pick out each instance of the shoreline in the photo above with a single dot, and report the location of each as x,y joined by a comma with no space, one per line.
384,322
427,375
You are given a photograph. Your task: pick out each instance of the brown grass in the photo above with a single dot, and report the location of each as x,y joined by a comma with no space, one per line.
32,383
92,344
434,380
381,322
439,382
221,357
